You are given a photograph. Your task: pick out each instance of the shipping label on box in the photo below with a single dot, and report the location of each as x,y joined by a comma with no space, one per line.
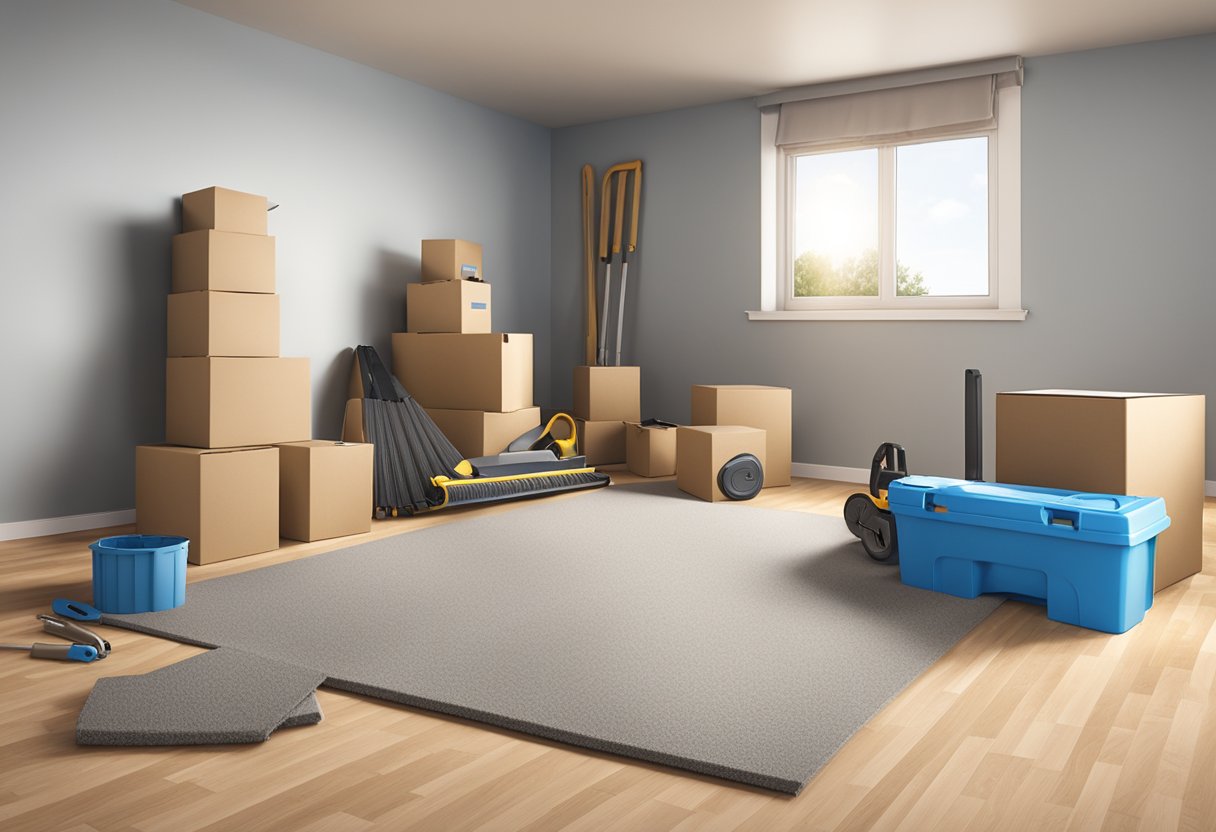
491,372
223,209
325,489
223,261
753,405
603,394
229,402
223,324
451,260
448,306
226,502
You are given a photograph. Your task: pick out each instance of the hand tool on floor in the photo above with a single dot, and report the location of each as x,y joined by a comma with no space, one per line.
75,633
541,438
620,174
76,610
590,355
63,652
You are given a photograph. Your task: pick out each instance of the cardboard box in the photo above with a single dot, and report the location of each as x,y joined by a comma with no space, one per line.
478,433
352,422
224,210
229,402
325,489
603,443
223,261
448,306
650,451
223,324
701,451
450,260
1142,444
491,372
608,394
757,406
225,501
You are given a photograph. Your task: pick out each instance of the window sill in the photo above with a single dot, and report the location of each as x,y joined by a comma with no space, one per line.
889,315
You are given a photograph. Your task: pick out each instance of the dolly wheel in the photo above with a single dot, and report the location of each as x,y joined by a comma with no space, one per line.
855,508
878,536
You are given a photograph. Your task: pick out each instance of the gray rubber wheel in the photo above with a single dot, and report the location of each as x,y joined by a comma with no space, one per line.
878,535
854,508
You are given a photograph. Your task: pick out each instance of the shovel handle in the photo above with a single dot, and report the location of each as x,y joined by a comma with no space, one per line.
624,169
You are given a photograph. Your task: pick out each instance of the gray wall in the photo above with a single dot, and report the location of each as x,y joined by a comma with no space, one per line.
1118,206
111,110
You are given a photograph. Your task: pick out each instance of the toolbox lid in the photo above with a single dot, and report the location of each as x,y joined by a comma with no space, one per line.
1116,519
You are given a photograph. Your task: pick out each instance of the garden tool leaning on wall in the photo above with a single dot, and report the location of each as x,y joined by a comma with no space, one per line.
614,223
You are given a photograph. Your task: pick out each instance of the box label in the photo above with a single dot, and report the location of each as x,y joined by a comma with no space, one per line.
467,271
477,304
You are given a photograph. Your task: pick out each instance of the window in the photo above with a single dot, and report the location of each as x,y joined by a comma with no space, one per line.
893,202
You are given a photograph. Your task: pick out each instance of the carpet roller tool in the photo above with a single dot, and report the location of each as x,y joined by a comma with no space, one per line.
418,469
542,439
742,477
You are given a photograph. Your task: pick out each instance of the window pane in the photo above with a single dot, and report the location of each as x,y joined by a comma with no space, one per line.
836,224
941,218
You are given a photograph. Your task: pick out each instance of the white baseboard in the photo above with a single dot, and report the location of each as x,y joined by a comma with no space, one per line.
842,474
59,525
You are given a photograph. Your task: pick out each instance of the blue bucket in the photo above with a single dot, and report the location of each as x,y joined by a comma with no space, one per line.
139,573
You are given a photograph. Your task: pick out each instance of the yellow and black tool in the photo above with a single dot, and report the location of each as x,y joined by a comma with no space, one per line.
868,516
543,439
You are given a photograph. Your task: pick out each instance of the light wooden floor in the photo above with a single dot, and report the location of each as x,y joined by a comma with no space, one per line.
1024,725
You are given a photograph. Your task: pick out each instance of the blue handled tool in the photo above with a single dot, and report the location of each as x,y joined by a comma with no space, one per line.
63,652
76,610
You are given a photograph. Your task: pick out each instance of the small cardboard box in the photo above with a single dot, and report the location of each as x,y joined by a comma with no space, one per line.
650,451
325,489
352,422
603,443
491,372
448,306
604,394
701,452
753,405
230,402
1141,444
223,261
478,433
224,210
223,324
450,260
225,501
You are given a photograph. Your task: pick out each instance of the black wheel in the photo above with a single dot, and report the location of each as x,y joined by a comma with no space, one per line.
854,509
878,535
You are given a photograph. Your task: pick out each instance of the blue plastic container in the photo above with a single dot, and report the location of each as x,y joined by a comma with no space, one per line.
1088,557
139,573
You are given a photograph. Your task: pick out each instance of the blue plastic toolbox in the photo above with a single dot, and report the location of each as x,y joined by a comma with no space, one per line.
1089,557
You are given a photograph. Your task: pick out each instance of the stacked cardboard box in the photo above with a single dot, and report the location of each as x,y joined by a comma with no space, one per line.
605,398
475,383
229,396
752,405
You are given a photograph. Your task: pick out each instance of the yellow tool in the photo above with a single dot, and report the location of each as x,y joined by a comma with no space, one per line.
620,174
589,259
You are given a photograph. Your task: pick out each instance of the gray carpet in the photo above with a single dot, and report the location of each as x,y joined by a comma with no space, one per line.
222,696
728,640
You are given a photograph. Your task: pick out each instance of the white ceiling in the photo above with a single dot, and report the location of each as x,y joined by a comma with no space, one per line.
563,62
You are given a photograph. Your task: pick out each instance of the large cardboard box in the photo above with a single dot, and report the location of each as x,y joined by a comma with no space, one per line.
701,451
757,406
604,394
478,433
229,402
491,372
1143,444
650,451
603,443
224,210
223,261
450,260
223,324
448,306
325,489
225,501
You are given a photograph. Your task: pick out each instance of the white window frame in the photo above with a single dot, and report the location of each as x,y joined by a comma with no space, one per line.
1003,303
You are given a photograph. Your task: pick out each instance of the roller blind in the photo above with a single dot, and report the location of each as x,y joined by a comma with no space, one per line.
897,114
